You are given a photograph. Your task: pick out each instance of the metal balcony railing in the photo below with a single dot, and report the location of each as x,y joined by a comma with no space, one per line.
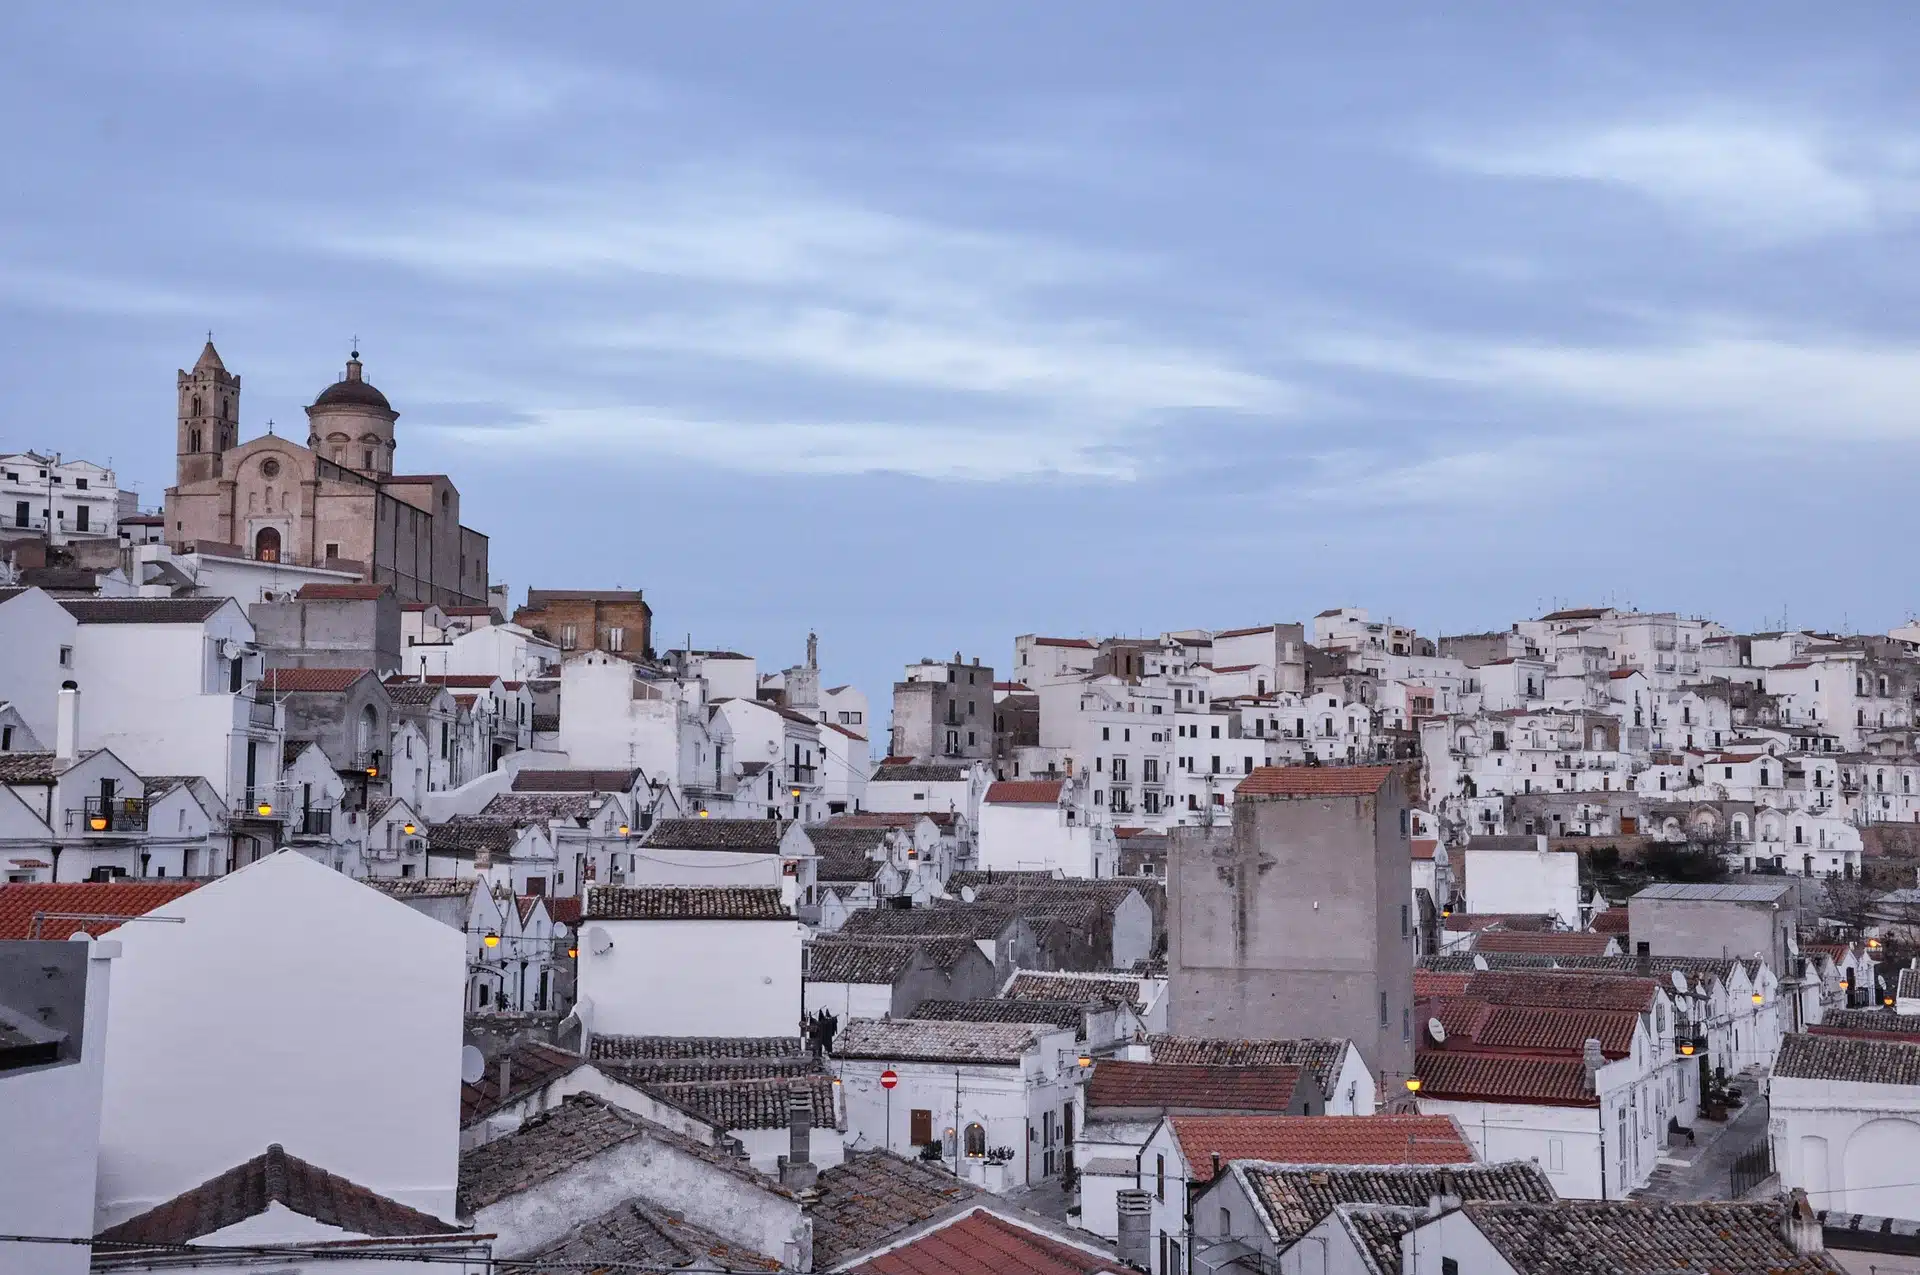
313,821
110,815
261,713
802,774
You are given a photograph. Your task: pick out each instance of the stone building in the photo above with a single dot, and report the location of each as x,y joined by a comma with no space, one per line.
944,710
617,621
1294,919
334,502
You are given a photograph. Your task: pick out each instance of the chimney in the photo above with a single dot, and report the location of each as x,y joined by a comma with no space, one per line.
1801,1227
506,1074
796,1167
1595,1059
1216,1164
66,729
1136,1228
1446,1195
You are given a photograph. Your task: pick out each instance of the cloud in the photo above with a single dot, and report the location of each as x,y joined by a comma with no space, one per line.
1764,183
95,294
1703,375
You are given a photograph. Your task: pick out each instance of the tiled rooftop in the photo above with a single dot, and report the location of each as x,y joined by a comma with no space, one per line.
1295,1199
275,1177
1558,989
916,1040
1476,1076
918,773
838,838
470,834
1851,1059
1320,1140
696,1048
719,834
1314,781
141,610
19,903
326,681
1320,1056
841,958
423,887
574,780
531,1065
637,1235
1185,1087
1049,1013
734,1103
984,1243
872,1196
1643,1238
684,903
1089,988
1025,792
1551,943
1868,1022
532,807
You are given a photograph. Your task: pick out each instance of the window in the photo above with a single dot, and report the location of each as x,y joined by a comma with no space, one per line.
1226,1222
443,741
1405,919
22,513
920,1127
1106,733
1556,1155
81,484
80,518
1449,1267
6,738
1383,1011
66,657
569,637
1216,763
616,638
236,675
976,1141
366,458
1216,732
333,550
1160,1177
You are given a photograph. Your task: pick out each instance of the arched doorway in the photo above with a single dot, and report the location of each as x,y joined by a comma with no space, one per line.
1876,1163
266,545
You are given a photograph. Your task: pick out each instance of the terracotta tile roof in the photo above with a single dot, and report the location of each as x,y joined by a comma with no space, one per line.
697,1048
1048,1013
840,958
1501,1077
1611,921
564,1137
872,1196
470,834
719,834
423,887
1560,989
1552,942
1233,633
1171,1087
1641,1237
1314,781
275,1177
1295,1200
1078,644
1320,1057
311,680
1423,847
983,1243
409,694
538,807
1853,1059
684,903
564,909
1320,1140
1025,792
1427,983
342,592
917,773
18,903
1077,988
1474,922
531,1066
464,681
738,1103
1536,1029
574,780
141,610
915,1040
655,1073
636,1235
1868,1023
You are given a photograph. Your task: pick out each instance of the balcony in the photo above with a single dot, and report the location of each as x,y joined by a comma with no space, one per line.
262,802
262,714
107,816
313,821
803,776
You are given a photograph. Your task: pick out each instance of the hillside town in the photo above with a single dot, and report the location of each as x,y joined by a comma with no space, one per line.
360,911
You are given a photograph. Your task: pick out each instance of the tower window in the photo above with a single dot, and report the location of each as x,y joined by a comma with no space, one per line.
366,458
193,440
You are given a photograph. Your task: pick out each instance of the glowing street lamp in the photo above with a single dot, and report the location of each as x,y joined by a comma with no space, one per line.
491,940
1413,1084
408,828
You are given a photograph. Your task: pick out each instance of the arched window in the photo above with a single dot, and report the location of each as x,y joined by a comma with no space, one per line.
193,440
266,545
368,724
196,406
976,1141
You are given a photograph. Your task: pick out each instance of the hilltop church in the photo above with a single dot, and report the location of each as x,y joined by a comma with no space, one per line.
335,502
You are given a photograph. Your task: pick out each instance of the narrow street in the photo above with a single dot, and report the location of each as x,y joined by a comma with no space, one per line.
1702,1172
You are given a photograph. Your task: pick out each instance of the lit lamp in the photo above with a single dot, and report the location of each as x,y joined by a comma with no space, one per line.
1686,1049
1844,984
703,814
573,953
1085,1061
1413,1084
265,808
1873,943
491,940
796,792
97,822
1886,1000
1759,998
623,829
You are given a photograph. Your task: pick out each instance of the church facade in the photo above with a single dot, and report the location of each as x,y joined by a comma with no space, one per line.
334,502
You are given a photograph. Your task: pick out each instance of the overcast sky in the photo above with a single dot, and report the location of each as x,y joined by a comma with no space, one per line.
925,326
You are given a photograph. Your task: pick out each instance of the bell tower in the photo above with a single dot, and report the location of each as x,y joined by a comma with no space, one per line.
209,417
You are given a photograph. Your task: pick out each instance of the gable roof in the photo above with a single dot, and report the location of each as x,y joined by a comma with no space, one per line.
246,1190
531,1065
1477,1076
1184,1087
1551,942
1313,781
19,903
1089,988
917,773
1637,1237
872,1196
921,1040
1322,1057
470,834
141,610
311,680
1851,1059
684,903
1025,792
637,1235
990,1010
1320,1140
985,1243
840,958
1295,1199
407,693
719,834
575,780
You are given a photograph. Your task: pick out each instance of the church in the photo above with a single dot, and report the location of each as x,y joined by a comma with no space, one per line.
335,502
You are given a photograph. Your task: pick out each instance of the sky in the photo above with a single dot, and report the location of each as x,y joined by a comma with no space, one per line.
922,326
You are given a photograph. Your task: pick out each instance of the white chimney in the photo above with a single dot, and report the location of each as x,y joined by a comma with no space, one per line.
66,730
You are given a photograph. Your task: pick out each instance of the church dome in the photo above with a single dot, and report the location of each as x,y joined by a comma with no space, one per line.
353,391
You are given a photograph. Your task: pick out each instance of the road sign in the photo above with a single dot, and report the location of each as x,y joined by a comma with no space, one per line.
889,1078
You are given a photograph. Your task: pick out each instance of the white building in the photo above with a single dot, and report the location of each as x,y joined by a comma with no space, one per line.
1844,1117
72,500
995,1097
1027,824
1534,881
735,952
234,990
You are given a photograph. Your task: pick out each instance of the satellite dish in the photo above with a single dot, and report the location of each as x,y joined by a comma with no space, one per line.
599,942
231,650
1437,1030
473,1065
560,929
968,894
1679,981
773,748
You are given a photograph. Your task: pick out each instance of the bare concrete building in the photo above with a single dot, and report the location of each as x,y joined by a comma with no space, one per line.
944,710
330,626
1295,919
1733,921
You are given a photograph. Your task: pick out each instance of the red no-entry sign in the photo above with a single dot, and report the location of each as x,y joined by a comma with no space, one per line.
889,1078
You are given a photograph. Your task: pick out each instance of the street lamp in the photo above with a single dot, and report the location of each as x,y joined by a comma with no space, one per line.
1413,1084
796,792
97,822
623,829
1686,1049
408,828
491,939
1086,1060
573,953
265,808
1759,998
